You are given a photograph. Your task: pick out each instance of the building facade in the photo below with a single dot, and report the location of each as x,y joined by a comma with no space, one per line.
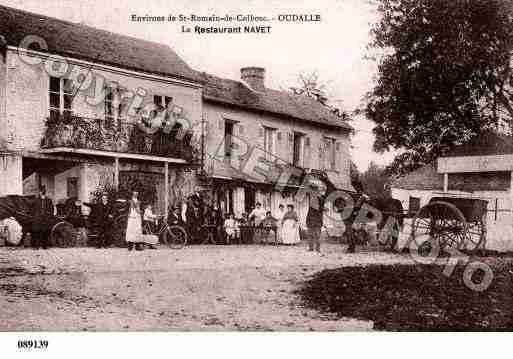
82,110
71,101
254,133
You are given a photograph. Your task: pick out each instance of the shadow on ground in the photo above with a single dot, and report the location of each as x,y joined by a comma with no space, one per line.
421,298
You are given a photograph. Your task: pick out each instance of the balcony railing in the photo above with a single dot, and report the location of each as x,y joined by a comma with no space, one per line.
100,134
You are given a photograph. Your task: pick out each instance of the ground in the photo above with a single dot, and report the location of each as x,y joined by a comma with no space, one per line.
419,297
196,288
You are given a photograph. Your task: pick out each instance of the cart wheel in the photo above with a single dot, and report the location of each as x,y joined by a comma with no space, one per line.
476,234
175,237
441,222
62,234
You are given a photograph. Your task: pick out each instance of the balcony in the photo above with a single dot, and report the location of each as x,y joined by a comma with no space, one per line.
71,131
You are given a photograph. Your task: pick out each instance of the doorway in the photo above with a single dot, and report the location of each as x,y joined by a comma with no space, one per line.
249,200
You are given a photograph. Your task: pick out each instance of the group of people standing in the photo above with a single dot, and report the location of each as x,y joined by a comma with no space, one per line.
196,216
284,222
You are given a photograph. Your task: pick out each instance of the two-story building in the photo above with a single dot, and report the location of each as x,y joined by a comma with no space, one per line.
250,124
71,102
81,109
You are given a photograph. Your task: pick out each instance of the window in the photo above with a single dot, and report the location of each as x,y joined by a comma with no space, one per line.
228,141
163,101
269,142
109,106
115,109
414,204
61,97
297,158
72,187
330,153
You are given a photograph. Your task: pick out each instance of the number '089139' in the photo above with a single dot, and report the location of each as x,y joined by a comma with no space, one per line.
32,344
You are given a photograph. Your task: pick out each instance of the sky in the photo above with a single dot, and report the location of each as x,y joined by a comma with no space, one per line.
333,47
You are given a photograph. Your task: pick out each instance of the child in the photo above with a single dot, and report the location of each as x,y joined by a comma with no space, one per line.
230,228
149,220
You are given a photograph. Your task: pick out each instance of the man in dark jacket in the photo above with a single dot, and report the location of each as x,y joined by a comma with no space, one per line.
42,215
314,222
351,234
175,218
103,216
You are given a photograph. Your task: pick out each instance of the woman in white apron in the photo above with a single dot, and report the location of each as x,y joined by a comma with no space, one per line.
290,227
134,224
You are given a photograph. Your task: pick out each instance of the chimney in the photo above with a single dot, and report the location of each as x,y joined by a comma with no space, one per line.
254,77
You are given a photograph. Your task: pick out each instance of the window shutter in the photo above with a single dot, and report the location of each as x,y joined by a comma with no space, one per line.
321,155
338,146
306,154
307,141
261,132
220,124
241,129
279,136
291,137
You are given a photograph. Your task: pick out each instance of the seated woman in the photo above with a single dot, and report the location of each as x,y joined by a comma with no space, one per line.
269,227
290,226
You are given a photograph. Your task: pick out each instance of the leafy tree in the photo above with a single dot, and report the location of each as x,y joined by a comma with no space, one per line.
444,74
354,174
407,162
374,180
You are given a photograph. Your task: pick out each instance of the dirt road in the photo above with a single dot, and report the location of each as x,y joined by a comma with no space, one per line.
197,288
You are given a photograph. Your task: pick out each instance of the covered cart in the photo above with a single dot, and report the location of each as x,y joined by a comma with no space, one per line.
455,222
20,208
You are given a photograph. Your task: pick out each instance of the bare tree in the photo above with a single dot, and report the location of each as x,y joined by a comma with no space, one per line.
310,84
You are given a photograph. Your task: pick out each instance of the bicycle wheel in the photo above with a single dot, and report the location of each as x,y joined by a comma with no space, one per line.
62,234
175,237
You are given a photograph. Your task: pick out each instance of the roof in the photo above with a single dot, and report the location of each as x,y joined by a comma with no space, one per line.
427,178
84,42
423,178
486,144
300,107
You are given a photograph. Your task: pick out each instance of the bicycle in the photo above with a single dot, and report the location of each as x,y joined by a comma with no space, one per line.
174,236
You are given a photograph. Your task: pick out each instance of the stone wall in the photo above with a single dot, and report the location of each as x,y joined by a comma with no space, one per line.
10,174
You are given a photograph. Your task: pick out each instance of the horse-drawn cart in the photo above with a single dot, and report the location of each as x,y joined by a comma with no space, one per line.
454,222
20,208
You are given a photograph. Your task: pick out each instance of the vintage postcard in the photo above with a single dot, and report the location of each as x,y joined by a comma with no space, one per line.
332,165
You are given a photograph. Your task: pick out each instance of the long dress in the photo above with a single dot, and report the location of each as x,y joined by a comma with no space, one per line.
279,225
134,224
290,228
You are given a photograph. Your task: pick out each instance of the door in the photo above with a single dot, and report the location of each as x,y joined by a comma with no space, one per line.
249,200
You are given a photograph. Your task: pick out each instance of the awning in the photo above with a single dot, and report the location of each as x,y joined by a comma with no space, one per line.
112,154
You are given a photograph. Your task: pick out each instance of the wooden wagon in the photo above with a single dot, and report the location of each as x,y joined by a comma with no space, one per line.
455,222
